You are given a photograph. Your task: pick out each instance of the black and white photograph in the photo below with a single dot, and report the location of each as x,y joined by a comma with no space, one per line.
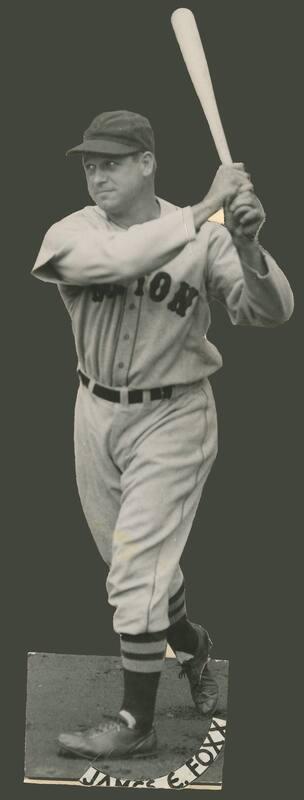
154,406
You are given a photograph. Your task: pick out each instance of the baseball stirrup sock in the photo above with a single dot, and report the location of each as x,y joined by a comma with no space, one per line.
177,606
142,661
182,637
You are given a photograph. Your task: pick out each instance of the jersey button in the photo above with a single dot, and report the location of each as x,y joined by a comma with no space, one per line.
132,306
126,337
121,365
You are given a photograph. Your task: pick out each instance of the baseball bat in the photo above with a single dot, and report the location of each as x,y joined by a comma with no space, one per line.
186,32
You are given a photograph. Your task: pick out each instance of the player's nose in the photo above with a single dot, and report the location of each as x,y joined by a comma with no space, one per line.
99,177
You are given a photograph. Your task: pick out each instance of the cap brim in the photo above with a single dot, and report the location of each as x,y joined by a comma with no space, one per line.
106,146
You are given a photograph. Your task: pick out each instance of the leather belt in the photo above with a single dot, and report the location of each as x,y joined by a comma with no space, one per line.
134,395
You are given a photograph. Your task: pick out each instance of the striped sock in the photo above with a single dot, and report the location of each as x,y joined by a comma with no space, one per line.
142,660
177,606
181,636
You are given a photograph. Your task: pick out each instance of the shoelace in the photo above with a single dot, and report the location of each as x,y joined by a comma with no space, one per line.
103,726
110,726
184,669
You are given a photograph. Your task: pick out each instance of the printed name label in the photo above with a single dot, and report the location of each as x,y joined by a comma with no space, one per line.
181,777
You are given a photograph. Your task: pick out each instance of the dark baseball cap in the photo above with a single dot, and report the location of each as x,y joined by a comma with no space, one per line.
117,133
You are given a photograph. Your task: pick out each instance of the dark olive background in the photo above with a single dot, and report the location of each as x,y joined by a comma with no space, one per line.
64,62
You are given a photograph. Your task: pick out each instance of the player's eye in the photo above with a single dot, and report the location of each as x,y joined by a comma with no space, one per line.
89,167
110,163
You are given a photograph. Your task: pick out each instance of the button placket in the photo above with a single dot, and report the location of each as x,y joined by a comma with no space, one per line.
125,343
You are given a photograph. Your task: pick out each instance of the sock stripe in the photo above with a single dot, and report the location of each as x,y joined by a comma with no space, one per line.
144,652
144,656
143,647
158,636
142,666
177,607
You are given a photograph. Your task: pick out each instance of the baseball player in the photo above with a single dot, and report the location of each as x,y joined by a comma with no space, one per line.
137,275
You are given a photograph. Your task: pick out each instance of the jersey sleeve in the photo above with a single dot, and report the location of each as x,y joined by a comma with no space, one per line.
77,253
249,297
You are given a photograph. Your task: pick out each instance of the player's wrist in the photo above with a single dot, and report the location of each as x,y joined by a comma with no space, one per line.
246,243
251,254
203,210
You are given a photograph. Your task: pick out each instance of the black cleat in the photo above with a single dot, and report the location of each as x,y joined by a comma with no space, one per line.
203,687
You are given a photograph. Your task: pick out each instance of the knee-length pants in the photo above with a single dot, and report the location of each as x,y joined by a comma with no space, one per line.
140,472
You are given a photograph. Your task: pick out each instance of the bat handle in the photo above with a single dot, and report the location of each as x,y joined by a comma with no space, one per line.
223,149
226,158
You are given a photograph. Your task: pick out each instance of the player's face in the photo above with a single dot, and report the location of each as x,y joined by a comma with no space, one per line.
113,181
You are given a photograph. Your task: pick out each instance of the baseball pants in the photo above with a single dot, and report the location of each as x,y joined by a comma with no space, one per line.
140,472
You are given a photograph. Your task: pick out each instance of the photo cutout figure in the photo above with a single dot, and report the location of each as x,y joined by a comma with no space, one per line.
139,263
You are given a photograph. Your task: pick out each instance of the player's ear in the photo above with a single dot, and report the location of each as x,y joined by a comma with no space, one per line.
148,163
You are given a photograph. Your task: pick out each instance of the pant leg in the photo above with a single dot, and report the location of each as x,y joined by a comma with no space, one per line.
98,478
176,582
161,488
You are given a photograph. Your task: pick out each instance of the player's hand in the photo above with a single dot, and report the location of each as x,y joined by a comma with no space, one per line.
229,180
244,215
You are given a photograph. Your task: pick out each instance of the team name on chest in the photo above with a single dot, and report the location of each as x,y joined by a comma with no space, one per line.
158,290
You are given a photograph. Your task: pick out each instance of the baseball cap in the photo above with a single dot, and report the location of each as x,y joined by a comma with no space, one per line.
116,133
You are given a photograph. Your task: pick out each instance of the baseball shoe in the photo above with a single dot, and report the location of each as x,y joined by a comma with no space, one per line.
112,739
203,687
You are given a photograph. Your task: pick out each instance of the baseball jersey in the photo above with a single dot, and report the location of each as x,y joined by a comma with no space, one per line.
139,297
